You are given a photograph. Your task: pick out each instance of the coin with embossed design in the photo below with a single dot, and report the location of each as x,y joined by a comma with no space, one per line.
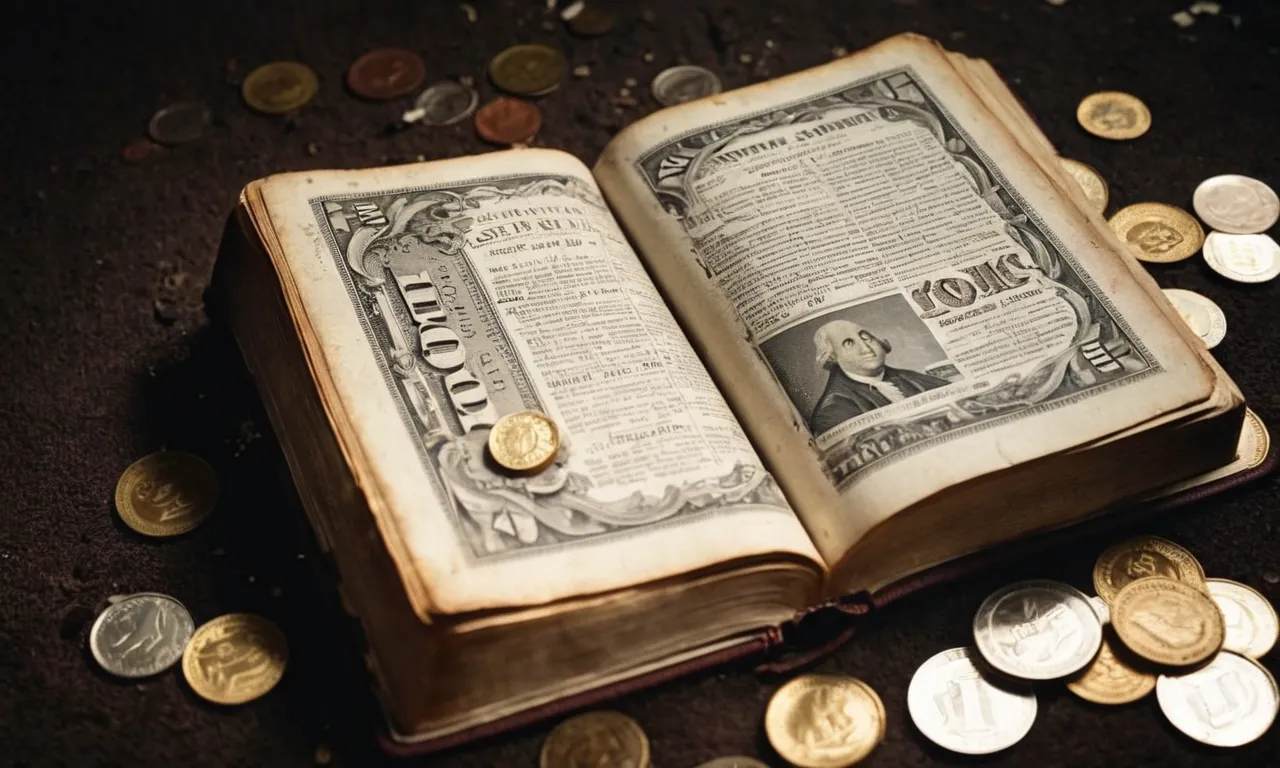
524,442
508,121
280,87
1110,680
596,738
1139,558
1259,438
1114,115
1243,258
1167,622
1201,314
531,69
1090,181
676,85
235,658
166,493
386,73
1157,233
1229,702
1236,204
957,707
140,635
824,721
1251,621
1037,630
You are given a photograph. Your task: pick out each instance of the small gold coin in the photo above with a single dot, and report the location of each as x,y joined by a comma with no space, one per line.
1158,233
280,87
1261,438
1252,624
1142,557
822,721
596,738
235,658
1167,622
524,442
1109,680
528,70
1090,181
166,493
1113,115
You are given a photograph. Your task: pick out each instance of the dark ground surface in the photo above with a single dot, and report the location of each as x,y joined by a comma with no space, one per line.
95,375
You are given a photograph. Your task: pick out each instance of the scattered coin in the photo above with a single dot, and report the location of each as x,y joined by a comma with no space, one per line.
179,123
1201,315
957,707
596,738
1037,630
1167,622
1090,181
166,493
1139,558
137,151
1109,680
733,762
528,70
1251,621
508,121
1236,204
816,721
592,21
141,635
235,658
676,85
1100,608
1243,258
1114,115
1261,438
1228,703
280,87
446,103
1157,232
524,442
386,73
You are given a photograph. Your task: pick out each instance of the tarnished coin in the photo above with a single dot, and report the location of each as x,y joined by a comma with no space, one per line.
139,150
386,73
1157,233
446,103
508,121
1090,181
1236,204
166,493
735,761
1037,630
1109,680
524,442
280,87
676,85
140,635
1167,622
1139,558
1100,607
1243,258
1251,621
596,738
179,123
1228,703
235,658
823,721
528,70
1201,315
592,21
956,707
1113,115
1259,438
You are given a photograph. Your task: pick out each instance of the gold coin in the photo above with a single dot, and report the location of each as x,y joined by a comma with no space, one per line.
1109,680
1167,622
1157,232
524,442
235,658
596,738
1113,115
1261,438
1142,557
166,493
528,70
280,87
1090,181
822,721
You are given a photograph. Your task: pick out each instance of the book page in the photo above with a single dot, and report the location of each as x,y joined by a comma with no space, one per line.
893,295
436,298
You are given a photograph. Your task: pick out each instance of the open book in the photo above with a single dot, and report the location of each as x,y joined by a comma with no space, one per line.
802,341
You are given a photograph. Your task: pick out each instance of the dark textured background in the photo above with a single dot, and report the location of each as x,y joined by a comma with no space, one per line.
109,354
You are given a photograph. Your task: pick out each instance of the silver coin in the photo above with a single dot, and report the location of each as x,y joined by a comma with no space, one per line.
1243,258
1101,608
179,123
1251,622
1236,204
141,635
446,103
956,707
733,762
1202,316
676,85
1227,703
1037,630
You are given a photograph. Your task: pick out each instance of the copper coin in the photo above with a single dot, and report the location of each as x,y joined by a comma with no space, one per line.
386,73
137,151
508,121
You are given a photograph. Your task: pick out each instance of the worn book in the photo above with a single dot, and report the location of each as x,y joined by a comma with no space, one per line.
806,343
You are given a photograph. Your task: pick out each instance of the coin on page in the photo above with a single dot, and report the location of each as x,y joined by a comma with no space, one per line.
1237,204
824,721
1251,622
1157,233
140,635
958,707
524,442
1037,630
596,738
1141,557
1230,702
1167,622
